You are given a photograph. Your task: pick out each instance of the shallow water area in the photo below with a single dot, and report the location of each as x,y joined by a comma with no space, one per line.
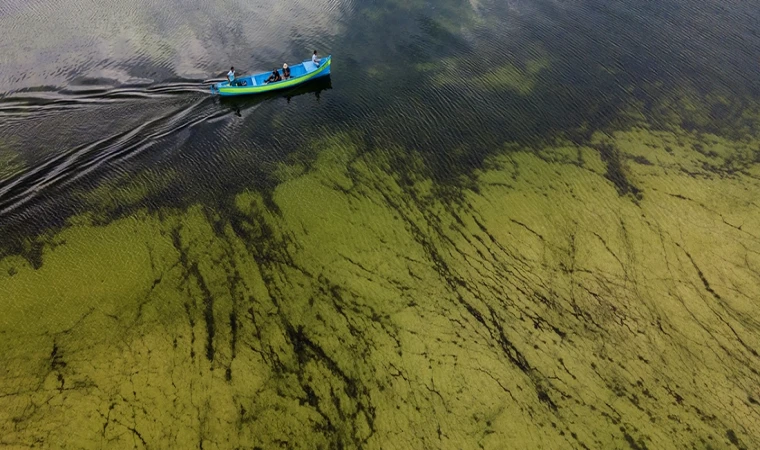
497,224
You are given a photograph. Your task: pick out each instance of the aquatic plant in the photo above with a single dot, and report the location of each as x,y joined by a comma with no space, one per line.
361,305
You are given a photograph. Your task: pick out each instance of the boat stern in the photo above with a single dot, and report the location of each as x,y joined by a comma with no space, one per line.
216,87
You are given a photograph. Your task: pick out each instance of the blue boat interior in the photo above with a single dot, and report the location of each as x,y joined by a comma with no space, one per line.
296,71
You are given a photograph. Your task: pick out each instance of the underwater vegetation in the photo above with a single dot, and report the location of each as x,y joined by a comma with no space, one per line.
10,162
580,295
500,247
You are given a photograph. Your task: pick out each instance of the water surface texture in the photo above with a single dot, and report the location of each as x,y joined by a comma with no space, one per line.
498,224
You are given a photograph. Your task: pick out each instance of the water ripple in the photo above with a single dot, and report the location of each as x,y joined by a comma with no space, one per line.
68,166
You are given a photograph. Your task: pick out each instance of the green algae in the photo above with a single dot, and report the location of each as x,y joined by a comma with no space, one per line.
719,111
354,307
521,80
127,191
520,76
587,293
10,162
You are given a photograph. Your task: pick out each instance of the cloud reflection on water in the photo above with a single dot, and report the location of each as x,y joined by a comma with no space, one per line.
54,43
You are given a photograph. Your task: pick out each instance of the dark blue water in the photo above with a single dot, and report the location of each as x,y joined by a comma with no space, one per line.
112,87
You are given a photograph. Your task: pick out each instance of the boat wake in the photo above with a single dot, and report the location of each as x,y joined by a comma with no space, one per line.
188,110
165,114
28,102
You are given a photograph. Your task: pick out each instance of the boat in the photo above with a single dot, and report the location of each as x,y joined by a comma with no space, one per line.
240,103
254,84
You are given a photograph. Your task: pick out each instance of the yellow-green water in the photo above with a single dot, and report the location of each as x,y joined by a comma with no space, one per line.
500,225
594,295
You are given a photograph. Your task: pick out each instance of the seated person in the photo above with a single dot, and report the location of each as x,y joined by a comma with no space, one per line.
274,77
315,59
285,72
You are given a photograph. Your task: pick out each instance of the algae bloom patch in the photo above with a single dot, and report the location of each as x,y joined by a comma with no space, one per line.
362,304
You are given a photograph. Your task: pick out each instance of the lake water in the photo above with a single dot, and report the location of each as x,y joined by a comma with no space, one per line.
498,224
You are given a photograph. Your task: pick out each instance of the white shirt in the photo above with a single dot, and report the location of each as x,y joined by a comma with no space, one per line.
315,60
231,75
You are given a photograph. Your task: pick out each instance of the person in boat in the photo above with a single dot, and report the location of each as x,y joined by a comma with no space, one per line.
231,76
274,77
315,59
285,71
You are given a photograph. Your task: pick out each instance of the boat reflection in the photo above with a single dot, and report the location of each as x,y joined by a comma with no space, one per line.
241,103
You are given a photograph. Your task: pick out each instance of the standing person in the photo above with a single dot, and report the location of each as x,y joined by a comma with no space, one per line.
231,76
315,59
